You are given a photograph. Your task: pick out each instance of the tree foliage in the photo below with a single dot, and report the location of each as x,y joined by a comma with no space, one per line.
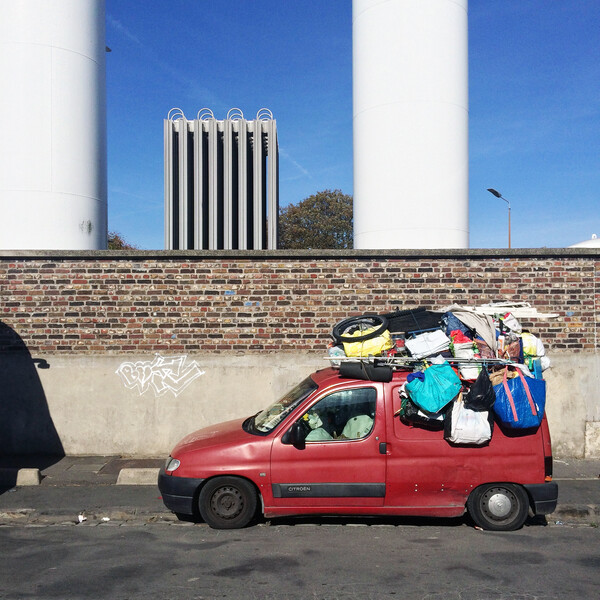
117,242
323,220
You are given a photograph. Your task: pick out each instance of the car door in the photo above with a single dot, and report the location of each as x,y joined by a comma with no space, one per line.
341,463
425,475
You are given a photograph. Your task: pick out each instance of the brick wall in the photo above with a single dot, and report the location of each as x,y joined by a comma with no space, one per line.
256,301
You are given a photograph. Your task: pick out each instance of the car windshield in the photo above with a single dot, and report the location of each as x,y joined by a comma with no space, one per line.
266,420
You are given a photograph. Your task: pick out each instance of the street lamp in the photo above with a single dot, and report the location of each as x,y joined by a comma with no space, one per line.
499,195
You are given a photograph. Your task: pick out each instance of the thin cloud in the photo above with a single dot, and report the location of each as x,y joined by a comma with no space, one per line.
285,155
118,26
120,190
192,89
195,90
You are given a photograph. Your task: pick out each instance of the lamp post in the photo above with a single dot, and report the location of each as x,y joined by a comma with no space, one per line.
499,195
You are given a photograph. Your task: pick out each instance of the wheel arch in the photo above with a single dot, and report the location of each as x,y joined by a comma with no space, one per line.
501,483
487,518
236,476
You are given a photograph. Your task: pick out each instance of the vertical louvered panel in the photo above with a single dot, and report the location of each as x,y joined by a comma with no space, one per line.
242,184
182,241
228,142
168,148
198,184
212,184
272,184
257,167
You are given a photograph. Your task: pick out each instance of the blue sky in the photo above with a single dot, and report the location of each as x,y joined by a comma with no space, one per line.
534,104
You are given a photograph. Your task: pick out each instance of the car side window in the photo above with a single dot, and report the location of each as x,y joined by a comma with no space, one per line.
343,415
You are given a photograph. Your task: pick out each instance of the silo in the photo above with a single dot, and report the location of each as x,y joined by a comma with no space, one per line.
410,120
53,116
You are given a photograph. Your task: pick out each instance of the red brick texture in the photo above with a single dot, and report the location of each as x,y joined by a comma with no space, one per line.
115,303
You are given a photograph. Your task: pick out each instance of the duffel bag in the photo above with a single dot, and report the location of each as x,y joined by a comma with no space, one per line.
438,387
412,320
374,346
520,401
366,371
410,413
466,426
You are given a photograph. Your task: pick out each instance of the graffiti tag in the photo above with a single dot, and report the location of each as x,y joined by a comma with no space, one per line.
171,374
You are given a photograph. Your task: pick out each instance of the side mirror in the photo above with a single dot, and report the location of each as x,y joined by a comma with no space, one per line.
298,435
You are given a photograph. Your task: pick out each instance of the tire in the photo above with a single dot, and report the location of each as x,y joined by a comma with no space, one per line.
364,322
499,506
227,502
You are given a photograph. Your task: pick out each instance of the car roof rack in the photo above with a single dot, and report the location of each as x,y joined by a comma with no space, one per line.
402,362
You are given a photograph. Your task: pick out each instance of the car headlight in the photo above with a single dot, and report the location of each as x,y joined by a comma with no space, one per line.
171,464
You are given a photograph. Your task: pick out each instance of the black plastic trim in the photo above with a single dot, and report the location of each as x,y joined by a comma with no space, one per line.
178,492
328,490
544,496
179,504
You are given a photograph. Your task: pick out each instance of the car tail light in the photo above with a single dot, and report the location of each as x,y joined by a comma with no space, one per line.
548,468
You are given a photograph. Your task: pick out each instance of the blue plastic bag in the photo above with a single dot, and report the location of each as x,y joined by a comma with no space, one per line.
440,385
520,402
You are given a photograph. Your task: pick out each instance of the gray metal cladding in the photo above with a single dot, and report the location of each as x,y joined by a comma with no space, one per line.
221,181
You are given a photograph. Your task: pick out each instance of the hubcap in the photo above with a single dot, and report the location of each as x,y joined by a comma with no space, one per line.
499,505
227,502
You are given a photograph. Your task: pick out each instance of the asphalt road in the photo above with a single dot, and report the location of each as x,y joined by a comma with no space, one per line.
448,561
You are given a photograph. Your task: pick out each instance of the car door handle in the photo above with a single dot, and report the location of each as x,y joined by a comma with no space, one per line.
382,448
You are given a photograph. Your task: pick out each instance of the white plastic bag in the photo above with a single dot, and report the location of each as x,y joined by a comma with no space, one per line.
466,351
511,322
426,344
466,426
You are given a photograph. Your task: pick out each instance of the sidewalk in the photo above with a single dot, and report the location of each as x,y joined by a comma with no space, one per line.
91,486
112,489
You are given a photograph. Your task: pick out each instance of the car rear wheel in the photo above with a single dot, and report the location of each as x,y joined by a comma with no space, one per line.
227,502
499,506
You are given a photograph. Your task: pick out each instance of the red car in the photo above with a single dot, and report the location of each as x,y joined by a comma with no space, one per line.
332,445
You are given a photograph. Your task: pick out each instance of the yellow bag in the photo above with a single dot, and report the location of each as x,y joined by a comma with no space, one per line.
374,347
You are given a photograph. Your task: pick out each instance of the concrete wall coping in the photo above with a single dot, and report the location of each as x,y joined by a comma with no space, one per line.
501,253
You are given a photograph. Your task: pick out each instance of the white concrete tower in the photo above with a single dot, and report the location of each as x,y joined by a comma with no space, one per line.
410,115
53,124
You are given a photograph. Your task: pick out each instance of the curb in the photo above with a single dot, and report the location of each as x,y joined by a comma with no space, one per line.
138,476
11,477
569,514
580,512
132,516
26,477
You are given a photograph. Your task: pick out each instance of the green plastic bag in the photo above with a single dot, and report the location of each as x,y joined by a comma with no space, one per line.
439,387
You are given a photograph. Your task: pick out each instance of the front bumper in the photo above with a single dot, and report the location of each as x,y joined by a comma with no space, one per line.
178,492
544,496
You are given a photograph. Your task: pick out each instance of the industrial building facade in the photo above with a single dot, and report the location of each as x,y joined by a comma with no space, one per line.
221,181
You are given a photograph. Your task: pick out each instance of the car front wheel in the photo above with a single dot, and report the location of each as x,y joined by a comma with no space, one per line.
499,506
227,502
